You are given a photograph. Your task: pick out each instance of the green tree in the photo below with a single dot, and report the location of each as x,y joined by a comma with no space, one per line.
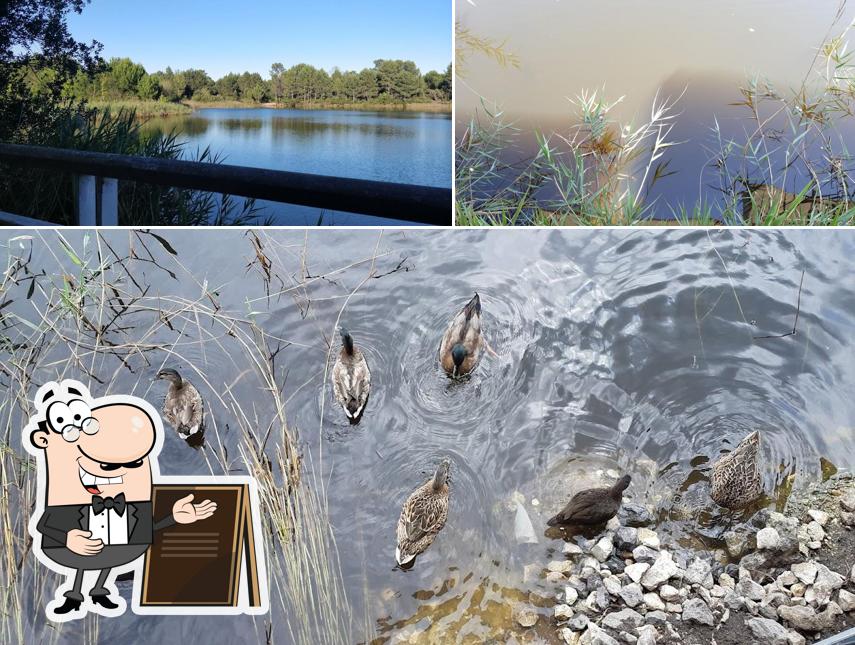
124,75
367,88
277,81
398,79
228,87
148,88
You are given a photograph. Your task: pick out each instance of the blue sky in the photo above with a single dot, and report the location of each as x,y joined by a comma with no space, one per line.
222,37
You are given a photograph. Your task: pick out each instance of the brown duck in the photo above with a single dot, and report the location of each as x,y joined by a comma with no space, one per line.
592,506
462,342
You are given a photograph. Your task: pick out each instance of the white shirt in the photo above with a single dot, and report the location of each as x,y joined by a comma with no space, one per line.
108,526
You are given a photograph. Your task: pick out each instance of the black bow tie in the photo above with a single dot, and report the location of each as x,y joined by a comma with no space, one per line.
117,503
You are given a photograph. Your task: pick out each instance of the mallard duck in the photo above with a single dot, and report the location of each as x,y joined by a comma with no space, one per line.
423,516
183,406
351,378
592,506
736,480
462,342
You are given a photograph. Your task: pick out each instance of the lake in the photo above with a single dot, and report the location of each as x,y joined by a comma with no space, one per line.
624,350
640,51
401,147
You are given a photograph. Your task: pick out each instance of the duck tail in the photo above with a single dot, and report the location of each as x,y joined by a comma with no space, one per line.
473,306
347,341
403,559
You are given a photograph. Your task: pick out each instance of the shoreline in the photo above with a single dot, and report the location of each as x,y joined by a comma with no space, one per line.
425,106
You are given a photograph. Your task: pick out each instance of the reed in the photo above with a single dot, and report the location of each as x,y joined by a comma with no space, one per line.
110,309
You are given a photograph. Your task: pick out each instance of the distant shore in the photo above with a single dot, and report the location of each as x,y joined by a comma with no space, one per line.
164,109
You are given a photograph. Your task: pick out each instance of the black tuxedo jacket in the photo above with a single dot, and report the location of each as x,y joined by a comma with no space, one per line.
57,521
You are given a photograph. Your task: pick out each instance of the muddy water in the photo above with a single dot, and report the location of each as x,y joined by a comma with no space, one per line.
635,50
617,351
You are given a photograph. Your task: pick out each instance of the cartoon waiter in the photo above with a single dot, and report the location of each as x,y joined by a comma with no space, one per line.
96,458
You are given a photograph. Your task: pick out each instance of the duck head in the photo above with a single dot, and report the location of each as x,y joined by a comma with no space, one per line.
458,355
346,340
440,477
170,375
622,484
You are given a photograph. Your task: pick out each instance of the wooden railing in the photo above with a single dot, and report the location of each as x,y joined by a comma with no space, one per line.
98,175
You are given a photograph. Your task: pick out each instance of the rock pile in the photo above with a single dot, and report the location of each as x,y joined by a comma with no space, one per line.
625,586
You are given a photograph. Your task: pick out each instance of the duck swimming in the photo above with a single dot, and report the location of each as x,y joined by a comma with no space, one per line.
736,480
592,506
462,342
183,406
351,378
422,517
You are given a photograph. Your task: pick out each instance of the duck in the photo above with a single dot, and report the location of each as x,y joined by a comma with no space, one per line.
592,506
736,480
183,406
462,342
351,378
423,516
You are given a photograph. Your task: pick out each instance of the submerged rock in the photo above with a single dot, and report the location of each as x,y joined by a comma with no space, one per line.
523,528
525,615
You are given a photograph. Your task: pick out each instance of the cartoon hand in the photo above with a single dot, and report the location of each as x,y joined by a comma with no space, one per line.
186,513
78,542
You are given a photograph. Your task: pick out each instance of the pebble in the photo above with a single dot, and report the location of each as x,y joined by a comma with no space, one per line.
699,572
846,600
768,631
663,569
851,575
570,595
787,579
636,571
563,612
647,635
612,585
578,622
632,594
623,620
636,515
847,502
696,610
602,549
644,553
555,576
735,543
596,636
768,539
727,581
815,532
626,538
525,616
820,517
648,538
805,571
669,593
807,619
674,607
571,549
653,602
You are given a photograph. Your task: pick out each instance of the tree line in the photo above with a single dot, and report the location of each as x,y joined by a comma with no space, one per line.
389,81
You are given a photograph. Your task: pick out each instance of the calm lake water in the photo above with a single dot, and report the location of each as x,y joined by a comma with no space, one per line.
401,147
638,49
617,350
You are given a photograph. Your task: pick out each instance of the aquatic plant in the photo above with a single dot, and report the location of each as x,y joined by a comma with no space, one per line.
111,314
50,195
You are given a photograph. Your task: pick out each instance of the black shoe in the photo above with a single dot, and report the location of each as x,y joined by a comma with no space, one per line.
104,601
68,606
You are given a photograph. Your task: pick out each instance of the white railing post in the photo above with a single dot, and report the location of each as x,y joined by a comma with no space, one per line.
110,202
86,200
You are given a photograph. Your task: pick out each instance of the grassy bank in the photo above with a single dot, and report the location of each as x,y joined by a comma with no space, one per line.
143,108
427,106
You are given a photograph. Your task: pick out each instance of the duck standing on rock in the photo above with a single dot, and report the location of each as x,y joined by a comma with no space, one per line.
462,342
736,480
351,378
183,407
422,517
592,506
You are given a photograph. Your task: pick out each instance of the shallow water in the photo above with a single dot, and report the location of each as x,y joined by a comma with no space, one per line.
400,147
704,51
617,351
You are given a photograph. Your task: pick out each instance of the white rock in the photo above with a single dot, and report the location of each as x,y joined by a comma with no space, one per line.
525,616
603,549
847,502
821,517
846,600
596,636
768,539
669,593
852,575
648,538
674,607
570,637
563,612
727,581
623,620
632,594
696,610
768,631
699,573
612,585
570,595
653,602
660,571
554,576
787,579
805,571
647,635
613,524
636,571
571,549
816,532
523,528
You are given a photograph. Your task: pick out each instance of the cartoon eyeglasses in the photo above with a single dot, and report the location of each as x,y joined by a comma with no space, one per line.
71,418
